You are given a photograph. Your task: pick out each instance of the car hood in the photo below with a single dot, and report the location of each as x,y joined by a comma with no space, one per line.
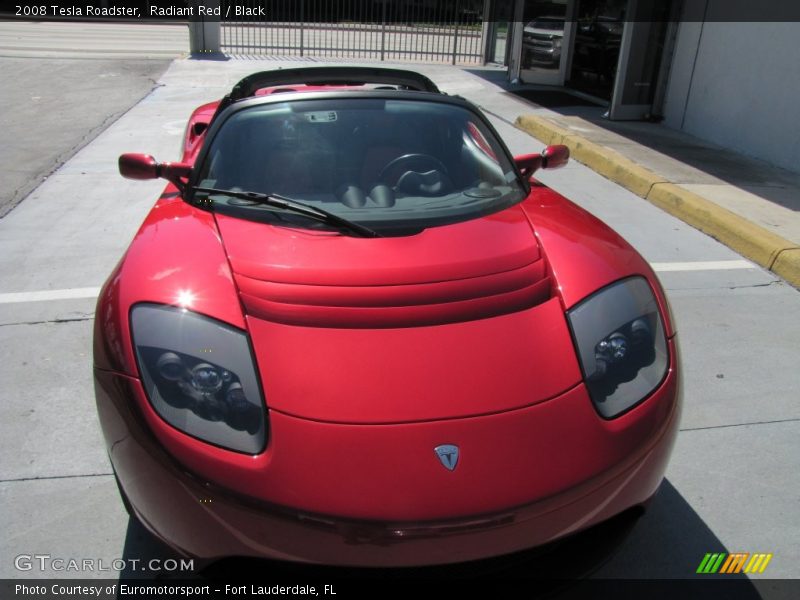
401,329
475,269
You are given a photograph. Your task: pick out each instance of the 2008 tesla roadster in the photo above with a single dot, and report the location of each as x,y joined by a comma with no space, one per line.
353,330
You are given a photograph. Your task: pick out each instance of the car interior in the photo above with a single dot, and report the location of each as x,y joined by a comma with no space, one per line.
361,153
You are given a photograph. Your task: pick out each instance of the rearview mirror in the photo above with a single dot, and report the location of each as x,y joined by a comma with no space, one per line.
144,166
551,157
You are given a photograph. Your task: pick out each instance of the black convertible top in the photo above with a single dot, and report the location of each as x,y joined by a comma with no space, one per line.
248,86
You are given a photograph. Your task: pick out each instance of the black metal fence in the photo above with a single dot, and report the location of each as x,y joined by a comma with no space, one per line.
407,30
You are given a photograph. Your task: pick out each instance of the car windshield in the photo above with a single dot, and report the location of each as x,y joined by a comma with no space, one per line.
384,163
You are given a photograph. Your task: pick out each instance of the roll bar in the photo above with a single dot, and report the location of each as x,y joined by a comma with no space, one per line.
248,86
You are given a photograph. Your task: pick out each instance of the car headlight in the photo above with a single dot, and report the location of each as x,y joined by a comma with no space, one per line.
619,334
199,376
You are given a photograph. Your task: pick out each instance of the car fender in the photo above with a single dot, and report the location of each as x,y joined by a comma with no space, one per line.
176,258
585,254
196,130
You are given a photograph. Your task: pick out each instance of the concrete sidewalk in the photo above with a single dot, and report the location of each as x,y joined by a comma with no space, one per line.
749,205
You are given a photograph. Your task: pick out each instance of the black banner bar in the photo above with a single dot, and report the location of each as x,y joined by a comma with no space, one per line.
733,588
370,11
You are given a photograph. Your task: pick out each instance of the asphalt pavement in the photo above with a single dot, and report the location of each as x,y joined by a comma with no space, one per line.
61,107
64,83
732,485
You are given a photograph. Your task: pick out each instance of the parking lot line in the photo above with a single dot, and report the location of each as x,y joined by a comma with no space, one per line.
68,294
710,265
92,292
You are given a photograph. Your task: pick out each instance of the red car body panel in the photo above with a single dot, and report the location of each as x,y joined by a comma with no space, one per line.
403,375
370,353
176,258
585,254
470,270
367,471
484,246
206,518
196,130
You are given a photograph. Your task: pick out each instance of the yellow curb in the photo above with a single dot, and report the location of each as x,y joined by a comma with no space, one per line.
609,163
545,130
743,236
613,165
787,265
760,245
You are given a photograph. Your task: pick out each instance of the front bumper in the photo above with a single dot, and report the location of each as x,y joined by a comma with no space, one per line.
210,518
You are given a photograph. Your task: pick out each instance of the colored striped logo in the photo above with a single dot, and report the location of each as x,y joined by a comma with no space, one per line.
738,562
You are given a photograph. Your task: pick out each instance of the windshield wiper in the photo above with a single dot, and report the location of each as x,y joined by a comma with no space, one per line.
312,212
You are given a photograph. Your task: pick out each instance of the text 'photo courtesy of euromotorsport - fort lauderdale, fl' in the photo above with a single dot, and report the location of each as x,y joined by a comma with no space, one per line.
134,590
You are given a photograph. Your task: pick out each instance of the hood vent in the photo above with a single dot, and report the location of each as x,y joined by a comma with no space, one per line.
391,306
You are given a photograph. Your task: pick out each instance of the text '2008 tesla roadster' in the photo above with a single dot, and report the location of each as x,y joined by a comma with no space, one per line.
354,330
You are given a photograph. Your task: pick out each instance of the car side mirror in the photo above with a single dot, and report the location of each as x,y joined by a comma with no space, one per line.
554,157
138,166
528,163
144,166
551,157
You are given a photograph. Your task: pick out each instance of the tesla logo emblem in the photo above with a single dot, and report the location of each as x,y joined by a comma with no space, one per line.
448,455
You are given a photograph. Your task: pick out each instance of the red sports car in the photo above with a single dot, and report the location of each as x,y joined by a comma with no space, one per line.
354,330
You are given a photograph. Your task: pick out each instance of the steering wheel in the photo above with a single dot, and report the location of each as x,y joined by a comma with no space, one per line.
407,161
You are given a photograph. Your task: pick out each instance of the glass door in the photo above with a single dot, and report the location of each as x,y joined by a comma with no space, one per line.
501,20
641,53
599,26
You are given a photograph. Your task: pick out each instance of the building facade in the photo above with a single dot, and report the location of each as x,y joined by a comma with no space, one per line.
717,69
